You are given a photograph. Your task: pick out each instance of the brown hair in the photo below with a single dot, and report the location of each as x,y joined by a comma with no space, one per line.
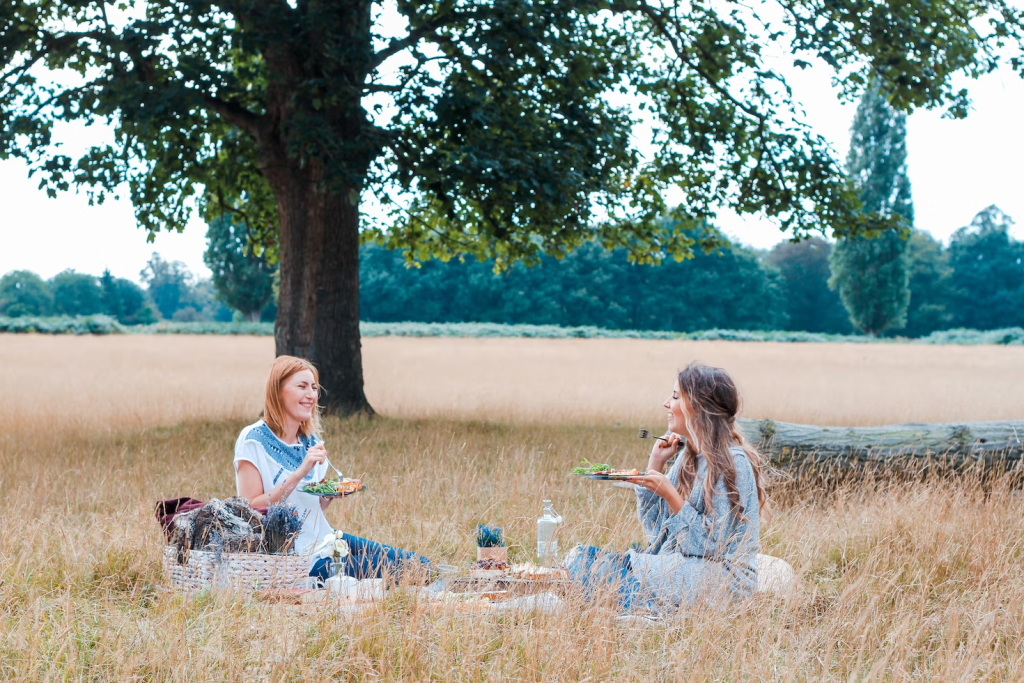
283,368
713,402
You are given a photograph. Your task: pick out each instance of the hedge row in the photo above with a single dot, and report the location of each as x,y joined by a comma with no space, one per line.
102,324
88,324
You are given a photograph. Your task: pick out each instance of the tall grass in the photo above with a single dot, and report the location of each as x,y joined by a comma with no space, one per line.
901,581
898,579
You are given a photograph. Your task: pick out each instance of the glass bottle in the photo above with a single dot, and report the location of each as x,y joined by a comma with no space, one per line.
547,544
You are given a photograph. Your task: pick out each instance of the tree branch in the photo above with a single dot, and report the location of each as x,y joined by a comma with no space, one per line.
55,96
684,54
396,45
230,111
235,114
399,87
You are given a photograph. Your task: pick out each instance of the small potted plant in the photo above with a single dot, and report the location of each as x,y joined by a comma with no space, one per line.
490,544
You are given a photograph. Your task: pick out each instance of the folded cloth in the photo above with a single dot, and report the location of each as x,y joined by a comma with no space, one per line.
167,510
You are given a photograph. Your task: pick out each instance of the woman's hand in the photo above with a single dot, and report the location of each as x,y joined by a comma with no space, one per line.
317,455
660,485
663,452
250,483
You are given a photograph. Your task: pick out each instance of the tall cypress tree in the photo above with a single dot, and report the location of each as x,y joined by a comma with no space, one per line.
872,274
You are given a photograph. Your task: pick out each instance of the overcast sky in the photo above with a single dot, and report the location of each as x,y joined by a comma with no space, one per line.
956,168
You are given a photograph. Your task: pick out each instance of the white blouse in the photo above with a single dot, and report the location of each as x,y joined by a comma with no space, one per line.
259,445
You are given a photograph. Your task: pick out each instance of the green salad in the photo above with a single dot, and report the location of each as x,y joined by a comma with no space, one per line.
326,486
587,467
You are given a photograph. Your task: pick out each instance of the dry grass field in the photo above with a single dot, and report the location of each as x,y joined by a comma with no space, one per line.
85,383
897,580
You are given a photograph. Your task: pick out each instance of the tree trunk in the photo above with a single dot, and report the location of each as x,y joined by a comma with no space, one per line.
903,446
316,175
318,307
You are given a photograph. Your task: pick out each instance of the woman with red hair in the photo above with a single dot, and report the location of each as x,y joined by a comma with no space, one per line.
284,451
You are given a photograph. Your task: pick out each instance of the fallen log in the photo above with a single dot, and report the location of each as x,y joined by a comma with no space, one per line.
950,444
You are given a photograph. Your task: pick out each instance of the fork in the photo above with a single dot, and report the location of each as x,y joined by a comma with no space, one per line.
336,470
644,434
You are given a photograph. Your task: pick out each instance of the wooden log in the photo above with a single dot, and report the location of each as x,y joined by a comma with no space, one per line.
954,444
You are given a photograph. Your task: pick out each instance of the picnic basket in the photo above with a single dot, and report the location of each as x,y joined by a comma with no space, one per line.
242,571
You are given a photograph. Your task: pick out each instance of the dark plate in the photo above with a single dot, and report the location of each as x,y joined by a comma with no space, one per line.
611,477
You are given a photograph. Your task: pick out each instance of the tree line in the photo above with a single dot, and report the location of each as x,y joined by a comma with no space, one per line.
977,281
903,280
241,287
169,292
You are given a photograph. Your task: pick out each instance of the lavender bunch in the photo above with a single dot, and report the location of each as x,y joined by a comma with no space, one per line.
280,527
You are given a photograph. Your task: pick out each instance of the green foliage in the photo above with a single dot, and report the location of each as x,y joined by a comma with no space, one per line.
23,293
168,283
125,300
870,272
241,279
76,294
987,281
500,118
877,160
91,324
202,305
930,306
100,324
1011,336
489,537
591,286
178,295
811,305
231,328
871,277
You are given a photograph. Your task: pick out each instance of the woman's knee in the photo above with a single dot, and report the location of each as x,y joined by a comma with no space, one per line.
579,559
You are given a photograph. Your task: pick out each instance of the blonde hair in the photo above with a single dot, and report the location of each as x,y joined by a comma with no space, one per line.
282,369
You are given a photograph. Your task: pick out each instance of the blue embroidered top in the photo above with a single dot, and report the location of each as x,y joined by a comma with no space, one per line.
288,457
275,460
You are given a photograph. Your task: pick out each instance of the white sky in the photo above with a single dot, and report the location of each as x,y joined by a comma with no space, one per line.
956,168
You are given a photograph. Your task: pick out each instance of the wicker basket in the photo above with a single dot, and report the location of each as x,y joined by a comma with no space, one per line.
242,571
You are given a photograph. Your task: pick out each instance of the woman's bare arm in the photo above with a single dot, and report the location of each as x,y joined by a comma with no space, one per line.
250,486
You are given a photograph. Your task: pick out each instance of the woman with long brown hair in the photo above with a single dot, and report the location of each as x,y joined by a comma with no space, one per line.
277,455
702,518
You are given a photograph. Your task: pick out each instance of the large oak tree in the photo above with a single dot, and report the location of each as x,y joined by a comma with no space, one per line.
496,128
